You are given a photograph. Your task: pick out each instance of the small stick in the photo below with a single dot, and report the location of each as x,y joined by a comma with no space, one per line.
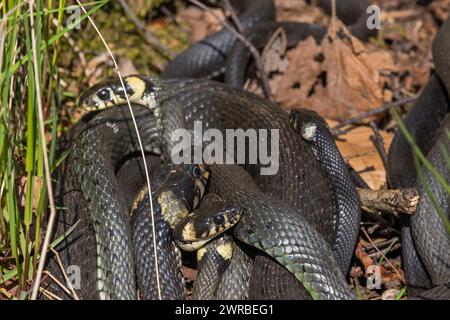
149,37
173,19
336,130
229,7
49,294
63,271
62,286
401,277
378,142
389,200
378,255
380,244
256,56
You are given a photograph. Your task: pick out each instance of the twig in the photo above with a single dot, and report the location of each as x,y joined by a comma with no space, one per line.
63,271
61,285
48,180
49,294
378,142
149,37
254,52
229,7
337,129
380,244
391,201
392,247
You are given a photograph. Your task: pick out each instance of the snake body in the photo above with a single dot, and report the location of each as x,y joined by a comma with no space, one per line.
90,197
292,224
207,58
177,191
221,52
435,250
315,131
426,258
213,261
235,60
215,100
235,281
352,12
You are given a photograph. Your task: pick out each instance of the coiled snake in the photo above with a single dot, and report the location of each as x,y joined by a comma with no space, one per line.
296,223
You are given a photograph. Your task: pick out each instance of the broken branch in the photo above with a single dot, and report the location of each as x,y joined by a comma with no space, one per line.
389,200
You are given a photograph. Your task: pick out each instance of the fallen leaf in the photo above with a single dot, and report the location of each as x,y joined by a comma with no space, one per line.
202,23
338,79
301,74
358,150
126,67
300,11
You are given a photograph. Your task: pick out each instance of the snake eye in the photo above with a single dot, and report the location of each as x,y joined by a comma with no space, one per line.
219,219
103,95
196,171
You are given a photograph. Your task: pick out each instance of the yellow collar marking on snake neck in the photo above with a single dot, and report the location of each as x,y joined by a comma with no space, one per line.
138,86
225,250
188,233
200,253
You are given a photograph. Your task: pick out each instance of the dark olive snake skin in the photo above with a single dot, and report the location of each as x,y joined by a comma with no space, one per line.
169,258
215,99
235,281
435,250
218,106
207,58
100,243
315,131
177,181
425,240
279,231
211,267
354,14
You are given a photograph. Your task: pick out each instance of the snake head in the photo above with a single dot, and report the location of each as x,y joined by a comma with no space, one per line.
113,92
213,218
308,123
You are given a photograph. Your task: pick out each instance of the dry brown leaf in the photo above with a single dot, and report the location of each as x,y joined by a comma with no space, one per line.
339,79
300,11
202,23
359,151
301,74
93,68
126,67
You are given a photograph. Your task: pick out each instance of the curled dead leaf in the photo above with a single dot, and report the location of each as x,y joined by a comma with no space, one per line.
338,78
